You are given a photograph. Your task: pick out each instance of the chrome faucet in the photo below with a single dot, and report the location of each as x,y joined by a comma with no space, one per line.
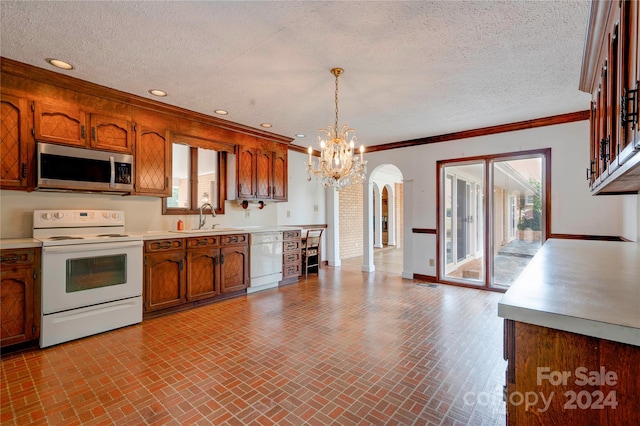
203,219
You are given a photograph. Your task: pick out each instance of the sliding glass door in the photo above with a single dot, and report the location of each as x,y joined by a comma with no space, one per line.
517,211
462,224
488,233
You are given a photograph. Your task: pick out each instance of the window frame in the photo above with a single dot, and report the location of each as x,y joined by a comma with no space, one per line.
195,142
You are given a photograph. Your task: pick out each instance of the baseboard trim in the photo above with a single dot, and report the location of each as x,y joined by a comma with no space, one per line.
588,237
425,278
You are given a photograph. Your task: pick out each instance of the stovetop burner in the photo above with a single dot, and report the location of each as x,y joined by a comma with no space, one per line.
112,235
64,237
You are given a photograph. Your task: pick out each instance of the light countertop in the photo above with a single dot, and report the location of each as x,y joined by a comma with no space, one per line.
17,243
156,235
585,287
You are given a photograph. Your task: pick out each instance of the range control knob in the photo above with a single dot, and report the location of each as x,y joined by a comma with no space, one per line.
105,215
115,215
46,216
58,215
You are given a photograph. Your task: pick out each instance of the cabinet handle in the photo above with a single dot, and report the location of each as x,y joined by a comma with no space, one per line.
626,116
202,242
215,260
181,265
222,259
604,149
166,181
93,133
165,245
24,170
239,188
10,258
83,133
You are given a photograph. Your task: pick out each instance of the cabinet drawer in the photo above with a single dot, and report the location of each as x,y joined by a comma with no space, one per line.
163,245
291,258
198,242
290,246
234,239
291,235
9,257
291,270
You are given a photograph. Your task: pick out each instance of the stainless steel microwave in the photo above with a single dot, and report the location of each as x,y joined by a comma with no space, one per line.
78,169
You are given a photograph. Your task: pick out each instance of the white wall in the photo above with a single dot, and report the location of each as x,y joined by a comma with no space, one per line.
306,205
573,209
144,214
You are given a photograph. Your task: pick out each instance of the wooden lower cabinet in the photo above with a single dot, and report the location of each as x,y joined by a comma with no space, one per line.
20,295
234,268
557,377
203,259
195,270
291,257
165,276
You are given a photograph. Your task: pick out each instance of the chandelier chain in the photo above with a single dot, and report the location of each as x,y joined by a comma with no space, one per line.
337,75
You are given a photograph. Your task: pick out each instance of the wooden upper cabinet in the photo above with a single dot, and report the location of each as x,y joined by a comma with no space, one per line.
16,142
261,174
60,124
153,162
280,176
246,166
611,73
71,125
111,134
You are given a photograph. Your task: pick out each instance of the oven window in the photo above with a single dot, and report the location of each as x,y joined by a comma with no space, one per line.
95,272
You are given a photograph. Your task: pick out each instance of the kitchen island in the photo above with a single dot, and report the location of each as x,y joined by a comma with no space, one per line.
572,335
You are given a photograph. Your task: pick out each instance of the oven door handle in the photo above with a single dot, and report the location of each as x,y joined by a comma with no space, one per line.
79,248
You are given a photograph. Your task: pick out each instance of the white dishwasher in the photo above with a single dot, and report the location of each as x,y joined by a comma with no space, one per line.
266,260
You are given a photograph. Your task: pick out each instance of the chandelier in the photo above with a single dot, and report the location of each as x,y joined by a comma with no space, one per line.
337,167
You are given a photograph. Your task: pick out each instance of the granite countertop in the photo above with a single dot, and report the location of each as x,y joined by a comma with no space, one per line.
585,287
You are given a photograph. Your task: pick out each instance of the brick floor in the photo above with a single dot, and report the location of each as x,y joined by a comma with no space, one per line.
344,348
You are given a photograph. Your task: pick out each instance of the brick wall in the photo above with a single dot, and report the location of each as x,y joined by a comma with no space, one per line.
350,217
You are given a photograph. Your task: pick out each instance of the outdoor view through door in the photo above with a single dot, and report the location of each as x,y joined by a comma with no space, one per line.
488,233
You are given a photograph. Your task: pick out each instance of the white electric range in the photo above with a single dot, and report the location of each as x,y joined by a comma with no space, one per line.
91,273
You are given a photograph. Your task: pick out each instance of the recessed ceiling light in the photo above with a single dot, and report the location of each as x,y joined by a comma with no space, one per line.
60,64
221,112
265,125
300,135
156,92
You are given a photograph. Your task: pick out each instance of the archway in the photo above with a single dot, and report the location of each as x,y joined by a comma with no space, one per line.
383,228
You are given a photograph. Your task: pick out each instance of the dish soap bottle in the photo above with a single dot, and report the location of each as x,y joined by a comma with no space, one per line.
180,225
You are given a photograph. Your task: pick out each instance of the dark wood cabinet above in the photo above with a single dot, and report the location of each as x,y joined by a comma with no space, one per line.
611,74
41,105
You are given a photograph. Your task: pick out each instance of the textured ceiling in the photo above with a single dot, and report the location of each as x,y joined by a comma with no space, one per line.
412,69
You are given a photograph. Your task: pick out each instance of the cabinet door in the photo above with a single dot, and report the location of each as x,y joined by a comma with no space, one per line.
246,166
264,164
17,306
234,268
153,163
111,134
16,142
630,74
202,273
280,179
60,124
164,280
